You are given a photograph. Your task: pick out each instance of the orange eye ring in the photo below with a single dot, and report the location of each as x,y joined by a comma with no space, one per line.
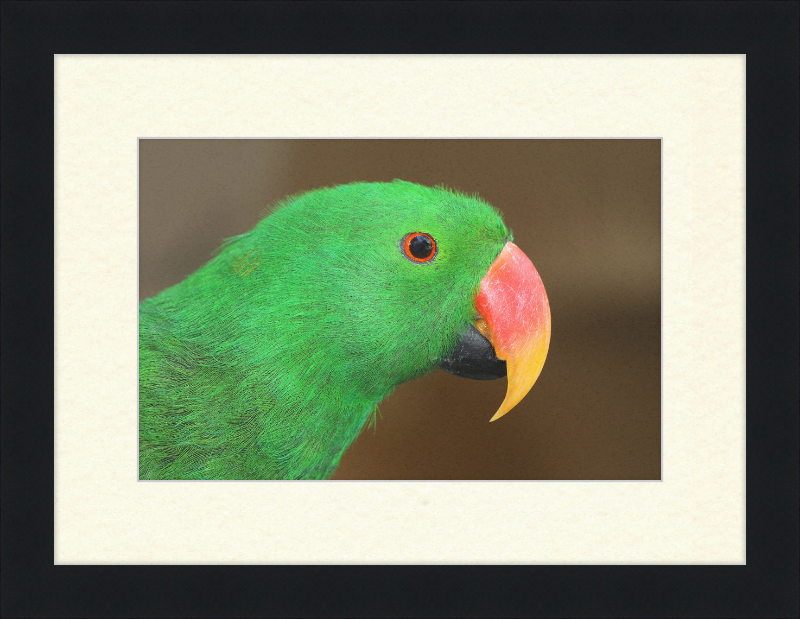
419,247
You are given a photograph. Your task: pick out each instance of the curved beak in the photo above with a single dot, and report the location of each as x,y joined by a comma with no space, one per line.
515,316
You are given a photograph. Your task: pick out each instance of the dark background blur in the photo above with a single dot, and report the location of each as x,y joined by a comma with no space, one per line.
587,214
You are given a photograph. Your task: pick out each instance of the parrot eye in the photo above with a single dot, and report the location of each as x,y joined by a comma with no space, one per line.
419,247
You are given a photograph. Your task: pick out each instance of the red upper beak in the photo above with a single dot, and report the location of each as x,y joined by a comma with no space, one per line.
513,303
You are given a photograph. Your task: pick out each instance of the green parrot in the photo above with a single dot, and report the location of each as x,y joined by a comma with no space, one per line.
268,361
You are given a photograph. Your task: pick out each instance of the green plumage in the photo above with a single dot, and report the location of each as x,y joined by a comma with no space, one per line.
267,362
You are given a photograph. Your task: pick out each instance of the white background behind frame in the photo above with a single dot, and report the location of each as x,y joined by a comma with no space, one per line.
695,516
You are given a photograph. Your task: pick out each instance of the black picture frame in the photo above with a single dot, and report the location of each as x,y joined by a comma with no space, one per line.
765,31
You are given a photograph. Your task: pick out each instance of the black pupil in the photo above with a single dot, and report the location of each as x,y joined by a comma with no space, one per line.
420,247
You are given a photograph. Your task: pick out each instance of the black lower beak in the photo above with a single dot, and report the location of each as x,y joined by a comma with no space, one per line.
474,357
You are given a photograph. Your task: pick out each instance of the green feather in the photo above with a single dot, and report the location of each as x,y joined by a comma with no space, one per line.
268,361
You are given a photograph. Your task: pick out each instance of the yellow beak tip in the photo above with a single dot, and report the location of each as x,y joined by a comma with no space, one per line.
499,414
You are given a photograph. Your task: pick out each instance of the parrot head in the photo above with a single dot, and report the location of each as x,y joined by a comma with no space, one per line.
370,285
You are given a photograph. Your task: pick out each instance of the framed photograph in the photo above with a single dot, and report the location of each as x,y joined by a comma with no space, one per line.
651,470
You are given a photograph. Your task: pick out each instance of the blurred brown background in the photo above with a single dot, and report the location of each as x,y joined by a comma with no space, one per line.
586,212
